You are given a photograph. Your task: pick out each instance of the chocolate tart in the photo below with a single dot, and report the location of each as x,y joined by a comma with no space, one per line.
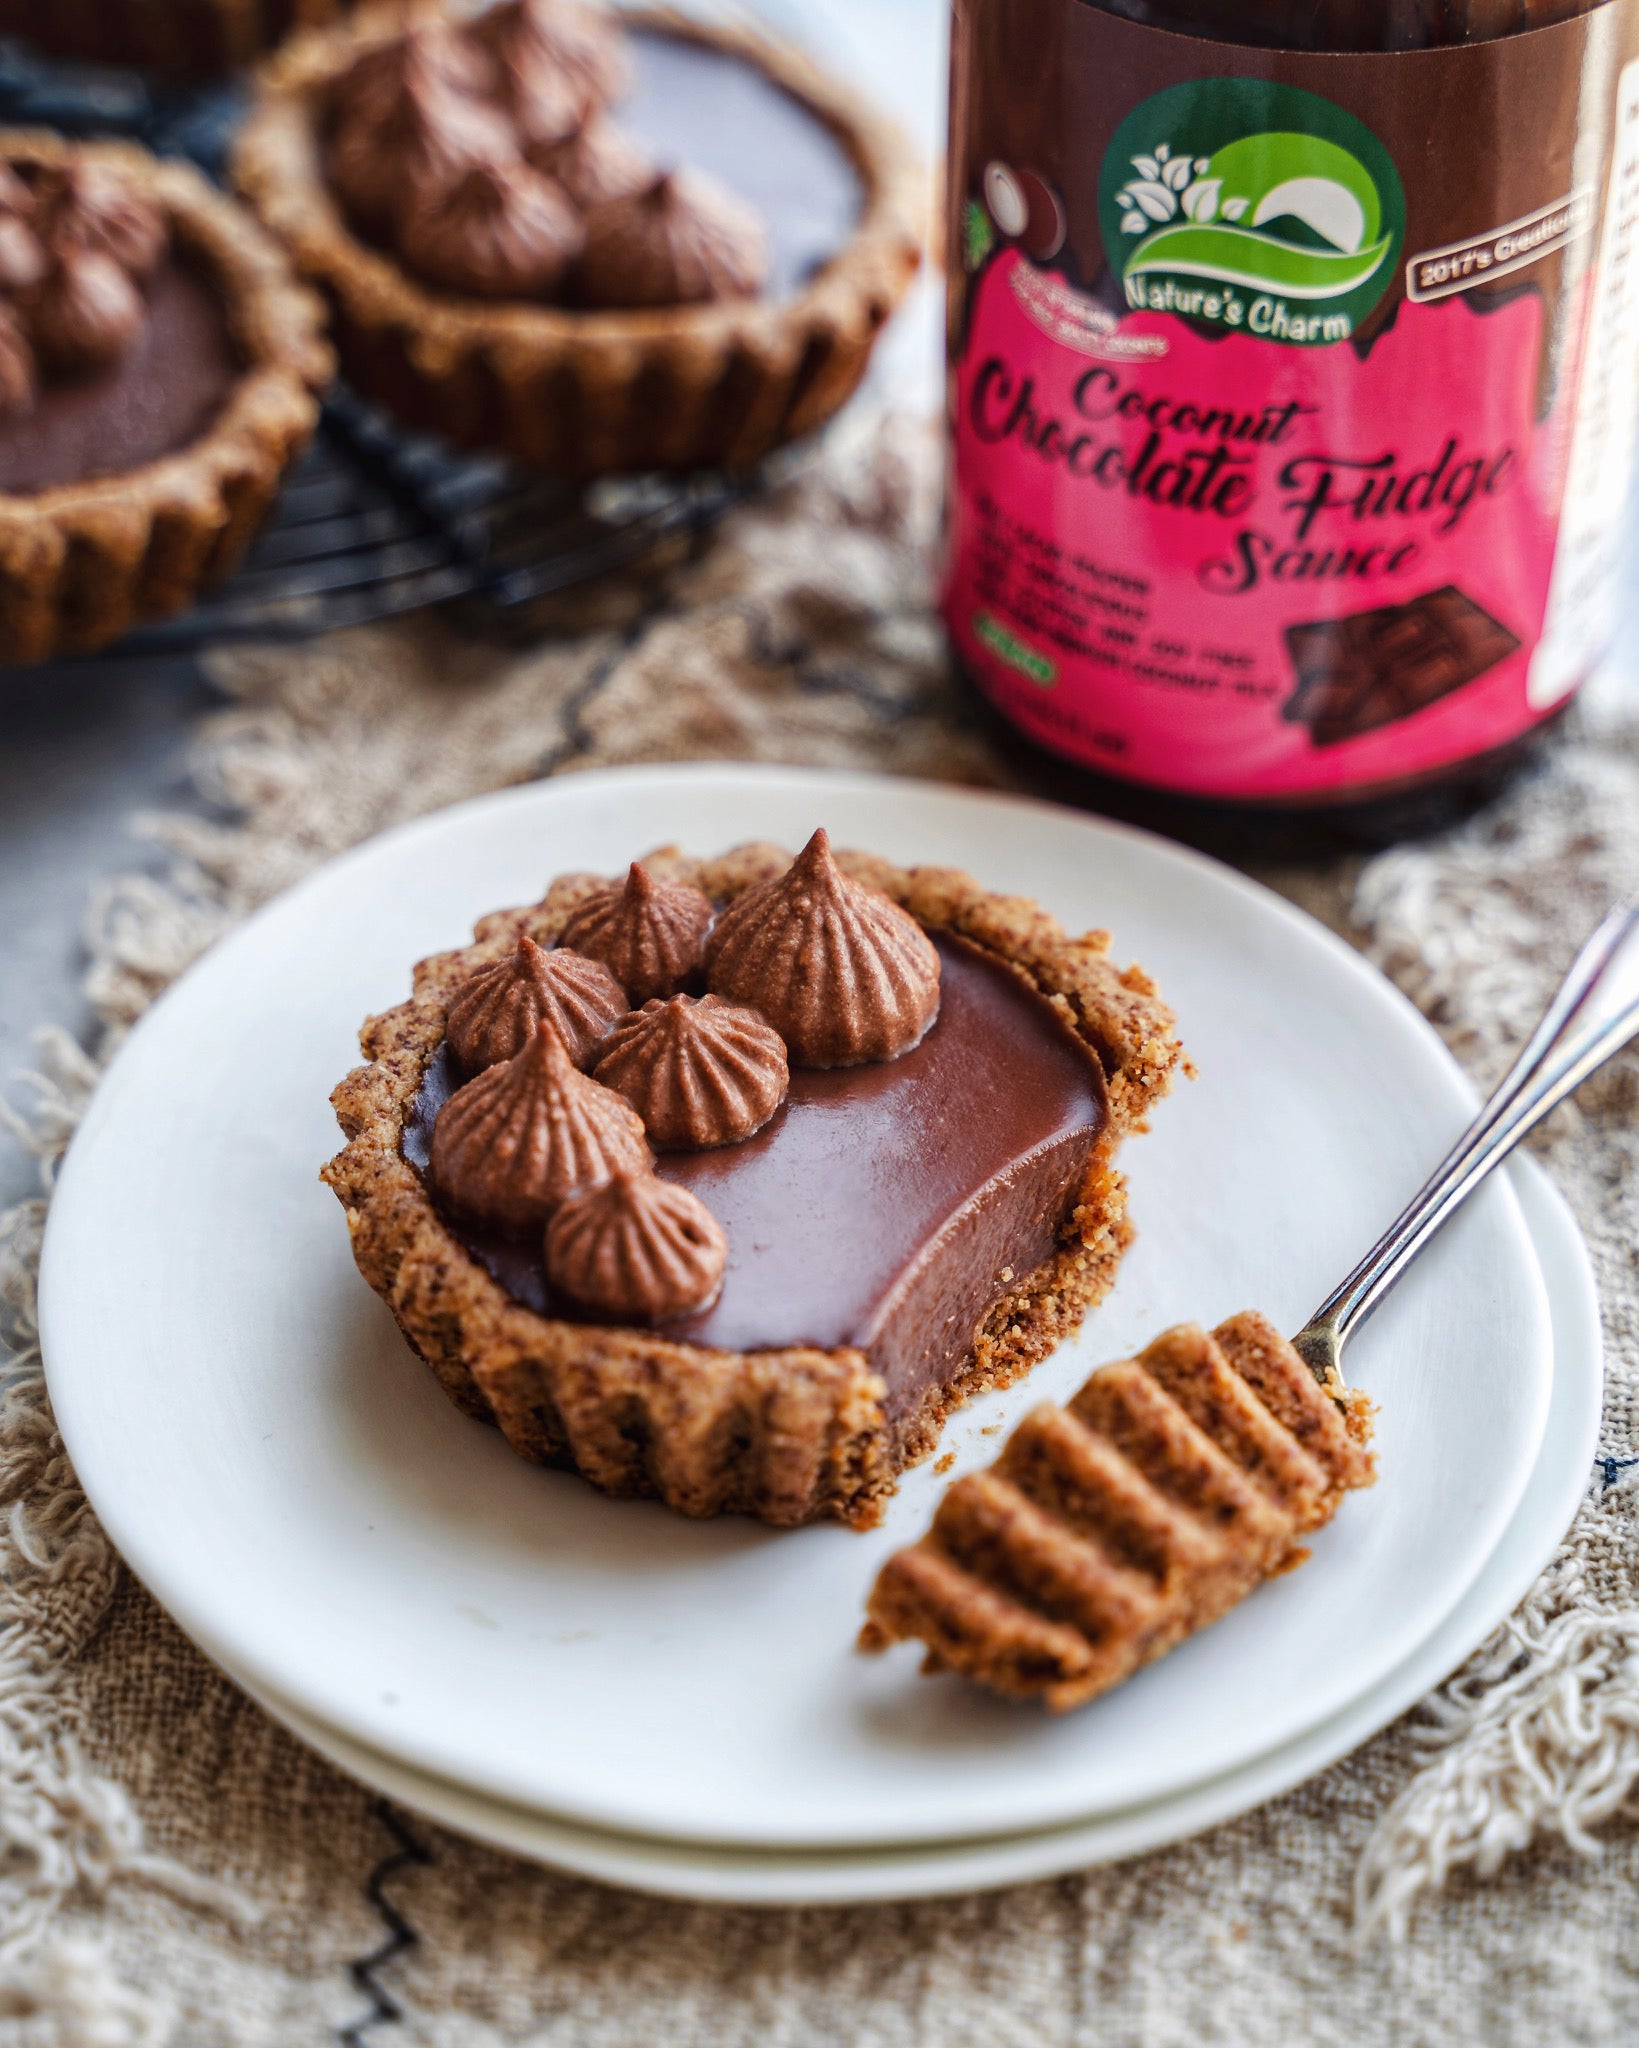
587,392
901,1235
124,493
183,38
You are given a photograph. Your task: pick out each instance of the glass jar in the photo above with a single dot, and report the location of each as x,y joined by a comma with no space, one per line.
1293,379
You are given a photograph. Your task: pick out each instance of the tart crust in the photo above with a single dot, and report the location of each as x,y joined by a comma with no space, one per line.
789,1436
82,563
592,393
1114,1527
183,38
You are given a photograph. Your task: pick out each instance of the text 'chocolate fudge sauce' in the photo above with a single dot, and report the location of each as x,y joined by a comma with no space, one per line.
1294,370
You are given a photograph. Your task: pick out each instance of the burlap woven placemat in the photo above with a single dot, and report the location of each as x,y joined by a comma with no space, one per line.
178,1870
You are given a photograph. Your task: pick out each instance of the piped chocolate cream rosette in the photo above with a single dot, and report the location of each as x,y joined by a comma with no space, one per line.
515,1142
840,972
898,1136
598,162
651,935
637,1248
502,231
392,168
699,1072
680,240
427,57
556,42
80,240
497,1012
158,365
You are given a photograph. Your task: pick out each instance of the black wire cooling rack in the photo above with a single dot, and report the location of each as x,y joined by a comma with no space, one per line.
374,521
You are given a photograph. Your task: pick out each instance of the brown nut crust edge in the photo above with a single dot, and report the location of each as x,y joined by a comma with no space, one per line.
787,1436
182,38
588,394
1217,1451
82,563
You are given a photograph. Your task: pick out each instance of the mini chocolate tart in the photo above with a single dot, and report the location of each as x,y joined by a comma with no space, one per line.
900,1233
183,38
731,173
156,404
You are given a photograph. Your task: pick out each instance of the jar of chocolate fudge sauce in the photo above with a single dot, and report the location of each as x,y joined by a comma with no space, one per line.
1293,383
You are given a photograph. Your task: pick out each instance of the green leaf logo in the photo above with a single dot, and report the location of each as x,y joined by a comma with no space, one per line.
1250,206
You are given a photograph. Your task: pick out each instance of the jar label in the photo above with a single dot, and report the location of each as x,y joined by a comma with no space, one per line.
1293,397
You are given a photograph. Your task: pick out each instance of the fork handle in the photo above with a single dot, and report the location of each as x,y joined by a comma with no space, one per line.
1594,1014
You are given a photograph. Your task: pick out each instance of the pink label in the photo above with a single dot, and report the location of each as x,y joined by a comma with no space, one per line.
1195,560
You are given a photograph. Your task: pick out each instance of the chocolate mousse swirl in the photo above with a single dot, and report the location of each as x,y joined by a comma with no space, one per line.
17,372
528,40
683,240
548,104
23,258
511,1145
75,245
88,206
601,162
85,313
843,974
502,231
430,56
650,935
387,170
496,1012
637,1248
699,1073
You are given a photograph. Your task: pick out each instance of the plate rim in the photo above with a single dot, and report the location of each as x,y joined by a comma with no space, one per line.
622,782
773,1882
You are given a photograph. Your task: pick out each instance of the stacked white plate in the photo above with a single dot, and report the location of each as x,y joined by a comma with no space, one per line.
679,1705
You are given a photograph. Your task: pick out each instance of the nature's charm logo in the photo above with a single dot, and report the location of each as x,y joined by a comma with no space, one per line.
1252,207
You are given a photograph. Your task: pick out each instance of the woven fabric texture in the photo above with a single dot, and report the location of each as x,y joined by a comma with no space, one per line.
177,1870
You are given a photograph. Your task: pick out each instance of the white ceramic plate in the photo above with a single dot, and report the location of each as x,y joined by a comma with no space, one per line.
291,1484
770,1878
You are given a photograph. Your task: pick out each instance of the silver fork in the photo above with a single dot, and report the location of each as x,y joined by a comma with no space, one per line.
1592,1017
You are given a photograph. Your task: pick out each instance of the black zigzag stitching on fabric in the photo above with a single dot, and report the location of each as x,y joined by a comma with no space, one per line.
1613,1467
401,1936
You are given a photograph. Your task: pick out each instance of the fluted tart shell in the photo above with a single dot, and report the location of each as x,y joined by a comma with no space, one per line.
792,1435
83,563
586,393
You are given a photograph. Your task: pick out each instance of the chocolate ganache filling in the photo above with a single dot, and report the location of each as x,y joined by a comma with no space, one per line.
152,400
883,1206
160,395
114,349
